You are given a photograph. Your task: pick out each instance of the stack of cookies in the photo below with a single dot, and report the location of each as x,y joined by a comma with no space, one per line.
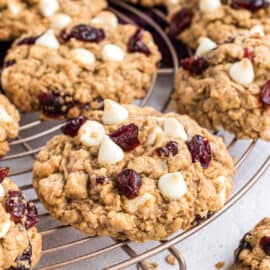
119,170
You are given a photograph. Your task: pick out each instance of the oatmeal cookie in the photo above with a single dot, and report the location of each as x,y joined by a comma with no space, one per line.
77,69
253,252
216,19
20,243
227,86
9,123
18,17
133,173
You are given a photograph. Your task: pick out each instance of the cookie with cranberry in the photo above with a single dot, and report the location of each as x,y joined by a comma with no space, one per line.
77,69
216,19
254,249
133,173
18,17
228,86
9,124
20,241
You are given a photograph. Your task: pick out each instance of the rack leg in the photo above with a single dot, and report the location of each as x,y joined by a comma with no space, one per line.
179,257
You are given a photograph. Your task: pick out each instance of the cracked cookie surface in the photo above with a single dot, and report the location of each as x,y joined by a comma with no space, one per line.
9,123
133,173
18,17
253,252
191,20
231,89
81,66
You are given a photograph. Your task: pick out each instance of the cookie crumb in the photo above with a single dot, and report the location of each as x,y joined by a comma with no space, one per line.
170,259
219,265
150,265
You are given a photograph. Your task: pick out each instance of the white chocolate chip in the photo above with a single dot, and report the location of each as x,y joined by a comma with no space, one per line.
257,30
5,228
222,180
48,7
174,2
134,204
60,20
91,133
172,186
153,135
105,19
109,151
206,45
114,113
48,40
112,53
14,8
175,129
209,5
4,116
83,56
2,192
242,72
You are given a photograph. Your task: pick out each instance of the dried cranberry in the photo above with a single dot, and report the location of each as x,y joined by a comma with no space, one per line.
31,215
170,148
72,126
244,244
15,205
101,180
265,245
199,219
136,43
23,262
3,173
249,54
83,32
129,183
251,5
27,41
180,21
200,150
54,104
126,137
195,65
9,63
265,95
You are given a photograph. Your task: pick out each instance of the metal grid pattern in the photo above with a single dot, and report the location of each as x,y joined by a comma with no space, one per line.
35,133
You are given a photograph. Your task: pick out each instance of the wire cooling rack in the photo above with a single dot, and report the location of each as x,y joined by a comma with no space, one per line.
74,248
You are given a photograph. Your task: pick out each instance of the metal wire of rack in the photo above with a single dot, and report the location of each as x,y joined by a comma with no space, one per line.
35,133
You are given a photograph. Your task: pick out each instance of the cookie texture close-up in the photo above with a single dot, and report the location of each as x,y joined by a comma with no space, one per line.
133,173
9,123
227,86
253,252
75,70
20,243
218,20
18,17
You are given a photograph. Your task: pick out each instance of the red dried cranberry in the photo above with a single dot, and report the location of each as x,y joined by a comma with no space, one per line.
251,5
265,95
136,43
129,183
101,180
31,215
249,54
83,32
244,244
72,126
23,262
126,137
180,21
54,104
265,245
3,173
195,65
200,150
27,41
15,205
170,148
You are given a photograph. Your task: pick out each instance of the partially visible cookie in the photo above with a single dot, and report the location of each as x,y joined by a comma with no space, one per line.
81,66
9,123
218,20
227,86
18,17
20,243
253,252
133,173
